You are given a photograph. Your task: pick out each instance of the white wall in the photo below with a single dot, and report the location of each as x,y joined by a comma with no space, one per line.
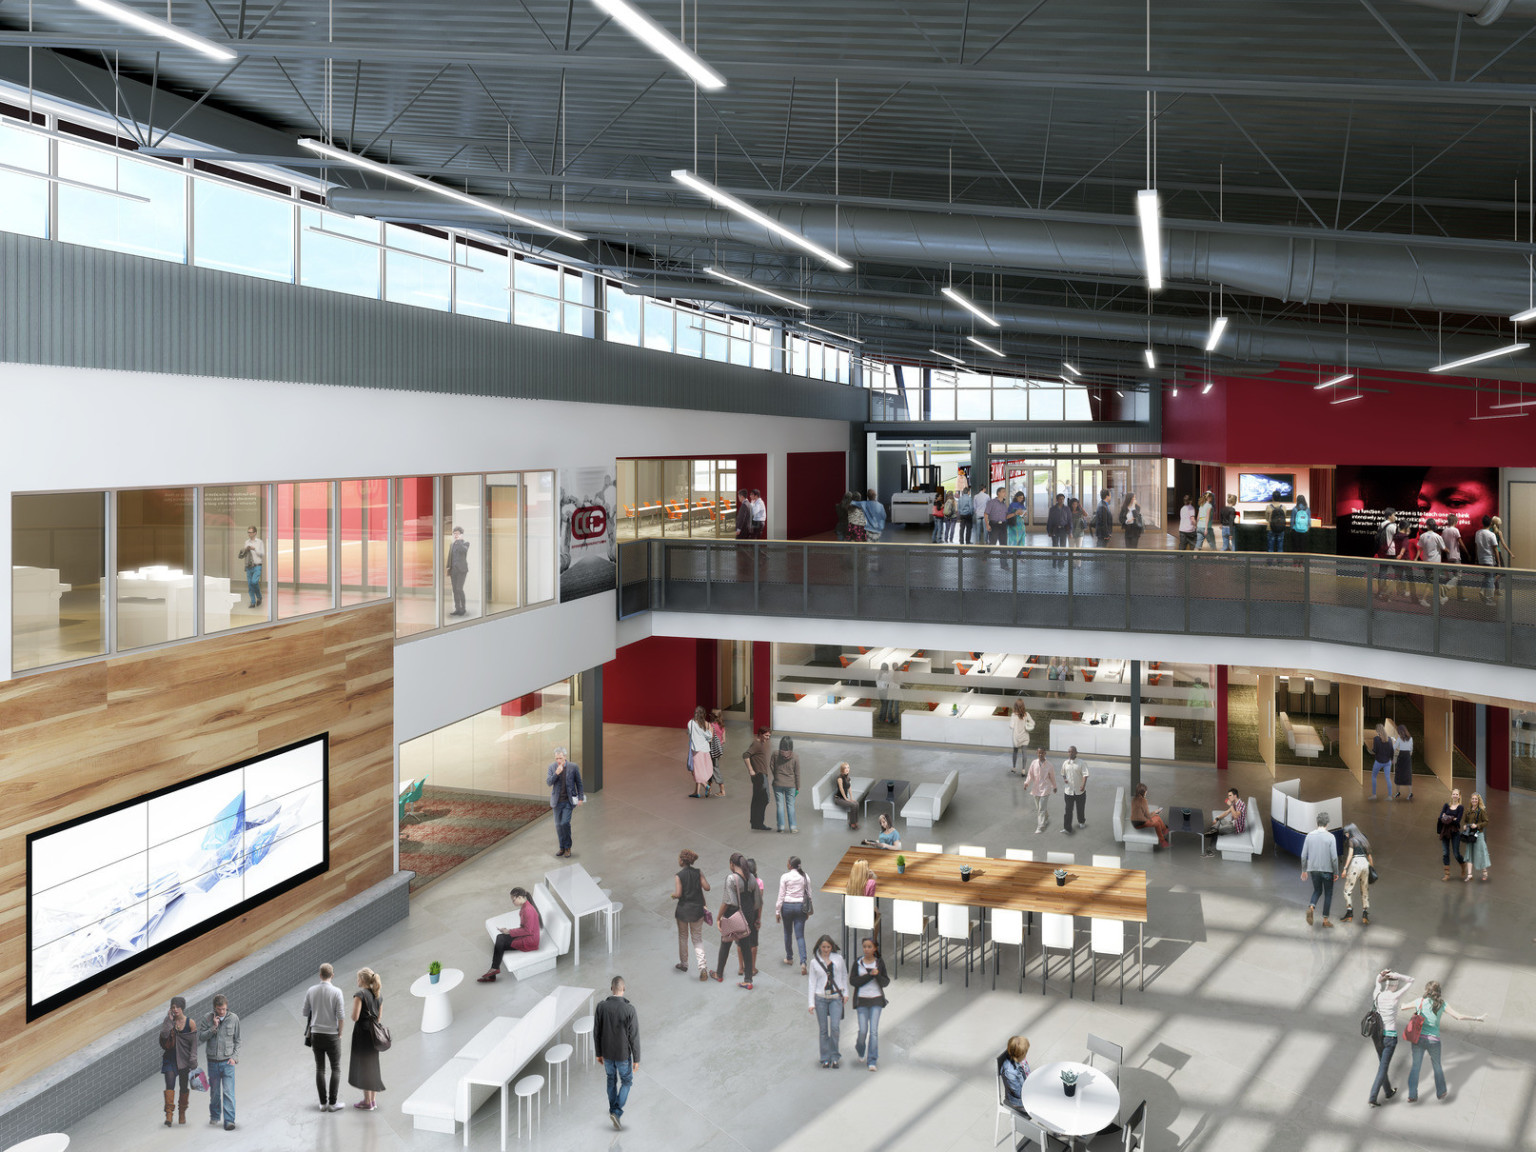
71,428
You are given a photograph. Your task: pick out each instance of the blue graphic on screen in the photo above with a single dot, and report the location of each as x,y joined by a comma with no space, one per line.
107,888
1262,487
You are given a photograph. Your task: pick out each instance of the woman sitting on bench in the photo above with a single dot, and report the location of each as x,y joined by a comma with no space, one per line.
524,938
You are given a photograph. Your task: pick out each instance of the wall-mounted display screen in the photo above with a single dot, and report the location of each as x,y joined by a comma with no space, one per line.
109,891
1262,487
1444,493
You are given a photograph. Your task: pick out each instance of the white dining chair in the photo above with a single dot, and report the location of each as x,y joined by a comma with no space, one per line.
972,850
921,847
1106,938
908,919
1007,928
1106,861
954,924
1057,933
1022,854
1061,858
1128,1139
858,915
1108,1050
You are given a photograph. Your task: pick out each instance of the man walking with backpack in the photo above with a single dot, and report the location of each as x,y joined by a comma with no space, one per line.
1277,519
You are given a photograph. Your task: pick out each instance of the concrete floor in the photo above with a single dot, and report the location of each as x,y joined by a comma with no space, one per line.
1245,1038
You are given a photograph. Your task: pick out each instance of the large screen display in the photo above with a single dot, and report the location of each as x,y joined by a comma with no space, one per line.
1262,487
1445,493
109,891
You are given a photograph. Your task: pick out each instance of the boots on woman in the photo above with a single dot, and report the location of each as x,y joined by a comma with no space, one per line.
170,1105
181,1106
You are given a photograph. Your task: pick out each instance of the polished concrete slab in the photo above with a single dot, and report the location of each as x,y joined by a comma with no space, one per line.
1246,1036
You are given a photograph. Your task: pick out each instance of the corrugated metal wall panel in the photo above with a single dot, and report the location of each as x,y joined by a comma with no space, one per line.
82,307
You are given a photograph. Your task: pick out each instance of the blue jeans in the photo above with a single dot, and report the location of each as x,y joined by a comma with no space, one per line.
253,584
869,1025
221,1090
1388,1046
1430,1044
563,825
1226,539
1322,885
1277,541
621,1074
1384,770
784,801
793,916
829,1022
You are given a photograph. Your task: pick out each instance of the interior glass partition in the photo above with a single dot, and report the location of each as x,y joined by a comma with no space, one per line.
415,556
462,548
303,547
364,540
503,553
156,596
676,498
235,543
58,577
540,516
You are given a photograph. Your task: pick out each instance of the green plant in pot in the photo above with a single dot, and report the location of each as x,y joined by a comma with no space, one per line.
1069,1082
434,971
901,864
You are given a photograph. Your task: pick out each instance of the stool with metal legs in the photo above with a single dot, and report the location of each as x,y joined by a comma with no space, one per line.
557,1058
581,1029
527,1091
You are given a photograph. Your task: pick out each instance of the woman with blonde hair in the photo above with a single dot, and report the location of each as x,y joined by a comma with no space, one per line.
861,881
1474,829
1020,725
363,1069
1014,1069
1433,1008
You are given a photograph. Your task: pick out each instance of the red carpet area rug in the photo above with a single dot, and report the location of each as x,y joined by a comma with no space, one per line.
449,826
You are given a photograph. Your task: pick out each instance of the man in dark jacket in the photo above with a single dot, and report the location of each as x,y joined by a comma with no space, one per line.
458,570
1058,525
1103,519
616,1043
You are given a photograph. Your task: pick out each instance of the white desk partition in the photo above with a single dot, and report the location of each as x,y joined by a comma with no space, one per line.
1113,739
842,716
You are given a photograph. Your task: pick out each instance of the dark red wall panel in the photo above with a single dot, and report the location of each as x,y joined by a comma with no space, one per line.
814,483
653,681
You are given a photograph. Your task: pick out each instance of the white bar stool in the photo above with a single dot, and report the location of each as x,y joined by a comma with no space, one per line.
921,847
859,915
907,919
1057,932
558,1058
1023,854
1007,928
614,908
954,924
1106,861
527,1090
1061,857
581,1029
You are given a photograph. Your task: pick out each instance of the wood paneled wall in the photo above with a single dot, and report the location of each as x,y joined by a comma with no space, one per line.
81,739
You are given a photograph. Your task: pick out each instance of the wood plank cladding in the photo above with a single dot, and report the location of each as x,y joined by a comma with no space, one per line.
81,739
1018,885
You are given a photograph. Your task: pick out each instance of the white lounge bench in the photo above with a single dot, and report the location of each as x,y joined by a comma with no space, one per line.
554,936
1301,739
1248,843
1134,839
823,791
432,1105
929,801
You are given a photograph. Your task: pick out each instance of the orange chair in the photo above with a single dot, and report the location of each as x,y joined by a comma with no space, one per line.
844,660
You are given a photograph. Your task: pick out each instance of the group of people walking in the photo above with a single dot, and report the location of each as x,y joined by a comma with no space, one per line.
738,919
1422,1031
1437,542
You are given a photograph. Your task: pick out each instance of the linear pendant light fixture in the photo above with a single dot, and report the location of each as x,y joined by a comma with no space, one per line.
1357,395
961,362
390,172
836,335
751,287
1151,357
1522,317
1072,368
661,42
1219,327
1506,350
983,344
1147,212
1331,383
968,306
125,14
741,208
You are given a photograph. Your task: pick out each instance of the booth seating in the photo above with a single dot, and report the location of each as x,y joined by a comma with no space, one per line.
823,791
1291,817
432,1106
554,937
1134,839
1301,739
1245,845
929,801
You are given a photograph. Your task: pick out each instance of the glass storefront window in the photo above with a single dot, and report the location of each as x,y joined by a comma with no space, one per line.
241,230
147,219
659,318
303,547
480,283
364,538
762,348
536,304
156,596
58,577
629,512
741,343
503,553
539,492
463,548
623,322
338,253
690,332
677,497
425,280
717,338
415,559
235,568
576,312
25,197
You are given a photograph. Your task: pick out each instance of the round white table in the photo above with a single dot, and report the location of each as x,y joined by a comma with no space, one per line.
1093,1108
47,1142
436,1011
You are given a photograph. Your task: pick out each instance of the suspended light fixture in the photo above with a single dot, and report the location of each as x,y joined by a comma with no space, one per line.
1150,356
389,172
1512,404
1175,389
742,208
968,306
983,344
947,356
835,335
1217,329
1147,211
124,14
1492,353
1336,380
751,287
1346,399
1208,386
1522,317
661,42
1070,368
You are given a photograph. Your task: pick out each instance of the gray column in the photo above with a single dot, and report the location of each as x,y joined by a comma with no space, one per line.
592,728
1482,749
1135,726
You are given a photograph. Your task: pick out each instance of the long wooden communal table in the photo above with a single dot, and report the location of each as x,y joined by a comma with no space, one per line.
1016,885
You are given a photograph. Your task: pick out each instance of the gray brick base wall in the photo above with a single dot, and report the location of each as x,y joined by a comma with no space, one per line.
82,1082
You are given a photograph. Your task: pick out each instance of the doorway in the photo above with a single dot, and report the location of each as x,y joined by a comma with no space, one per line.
733,675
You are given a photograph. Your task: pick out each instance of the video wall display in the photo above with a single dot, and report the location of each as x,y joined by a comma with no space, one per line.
110,891
1363,493
1262,487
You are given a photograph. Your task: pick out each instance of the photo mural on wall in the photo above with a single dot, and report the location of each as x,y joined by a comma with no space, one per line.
1363,493
589,506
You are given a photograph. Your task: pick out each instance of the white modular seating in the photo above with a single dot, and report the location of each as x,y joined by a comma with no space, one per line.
1301,739
1245,845
1291,817
554,937
823,791
1134,839
35,595
432,1106
928,801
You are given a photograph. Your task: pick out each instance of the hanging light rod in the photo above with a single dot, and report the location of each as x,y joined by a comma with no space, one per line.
968,306
1331,383
1151,237
1522,317
390,172
1347,399
1506,350
1219,327
980,343
1208,386
1512,404
742,208
661,42
1151,357
1070,368
837,335
947,356
124,14
751,287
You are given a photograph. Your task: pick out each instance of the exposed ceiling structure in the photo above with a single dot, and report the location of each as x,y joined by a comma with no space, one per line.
1345,180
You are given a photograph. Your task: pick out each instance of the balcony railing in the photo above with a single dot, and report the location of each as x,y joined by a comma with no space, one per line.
1463,612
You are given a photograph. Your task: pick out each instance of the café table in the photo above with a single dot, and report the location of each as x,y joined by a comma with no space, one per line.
1093,1107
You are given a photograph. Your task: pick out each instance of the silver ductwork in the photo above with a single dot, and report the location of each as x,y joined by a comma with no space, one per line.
1286,268
1484,11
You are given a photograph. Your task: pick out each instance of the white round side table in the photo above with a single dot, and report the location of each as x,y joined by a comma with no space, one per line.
1092,1108
47,1142
436,1011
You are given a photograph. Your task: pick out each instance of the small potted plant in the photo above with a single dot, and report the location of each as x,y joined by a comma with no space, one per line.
1069,1082
901,865
434,971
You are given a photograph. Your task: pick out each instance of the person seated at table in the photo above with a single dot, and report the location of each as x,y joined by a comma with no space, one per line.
1144,815
861,882
1014,1069
888,839
523,938
1233,820
842,794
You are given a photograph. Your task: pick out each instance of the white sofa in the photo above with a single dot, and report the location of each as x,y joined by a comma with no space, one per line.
432,1106
823,791
554,936
1134,839
1248,843
1291,817
1301,739
928,801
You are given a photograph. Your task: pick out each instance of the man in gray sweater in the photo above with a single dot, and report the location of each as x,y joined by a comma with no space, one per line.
324,1009
221,1032
1320,861
616,1044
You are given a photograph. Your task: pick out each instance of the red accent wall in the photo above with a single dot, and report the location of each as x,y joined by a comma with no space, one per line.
814,483
1221,716
652,681
706,681
762,685
1498,748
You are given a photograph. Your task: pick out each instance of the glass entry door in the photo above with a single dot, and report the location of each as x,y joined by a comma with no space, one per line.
1042,491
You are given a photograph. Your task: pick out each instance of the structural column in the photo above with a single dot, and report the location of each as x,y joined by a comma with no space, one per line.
1266,700
761,696
592,728
1438,732
1220,689
1352,729
1135,725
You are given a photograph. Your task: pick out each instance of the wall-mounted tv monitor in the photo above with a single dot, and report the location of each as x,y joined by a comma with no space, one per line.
1262,487
110,891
